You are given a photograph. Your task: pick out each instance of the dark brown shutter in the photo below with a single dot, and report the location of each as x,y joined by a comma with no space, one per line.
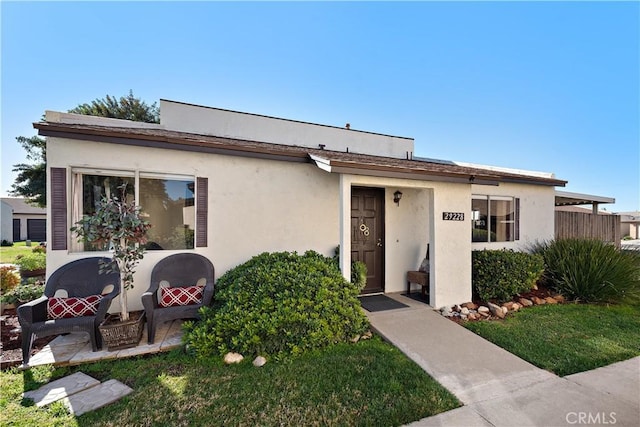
202,210
58,209
517,225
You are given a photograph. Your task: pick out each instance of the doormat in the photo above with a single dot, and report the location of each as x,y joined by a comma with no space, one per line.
417,296
380,303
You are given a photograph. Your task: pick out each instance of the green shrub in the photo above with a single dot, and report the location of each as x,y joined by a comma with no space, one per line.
279,304
39,249
501,274
32,261
591,271
359,274
23,293
9,278
358,269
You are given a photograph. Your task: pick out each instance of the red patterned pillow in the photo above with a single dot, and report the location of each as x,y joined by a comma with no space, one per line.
170,297
60,308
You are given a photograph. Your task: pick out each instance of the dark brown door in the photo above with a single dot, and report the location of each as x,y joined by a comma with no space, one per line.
367,234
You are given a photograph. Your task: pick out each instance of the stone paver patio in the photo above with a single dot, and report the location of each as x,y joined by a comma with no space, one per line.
75,349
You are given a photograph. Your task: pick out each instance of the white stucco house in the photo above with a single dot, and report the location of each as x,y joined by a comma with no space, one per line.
22,221
230,185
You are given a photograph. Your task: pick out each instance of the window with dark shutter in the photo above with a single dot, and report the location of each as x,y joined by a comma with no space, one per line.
58,200
202,210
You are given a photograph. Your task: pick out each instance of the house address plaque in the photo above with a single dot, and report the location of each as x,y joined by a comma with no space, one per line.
453,216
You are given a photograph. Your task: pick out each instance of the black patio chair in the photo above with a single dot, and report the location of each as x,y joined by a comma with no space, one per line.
80,279
183,270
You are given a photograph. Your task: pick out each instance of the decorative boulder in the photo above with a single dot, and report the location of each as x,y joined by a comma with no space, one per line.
259,361
230,358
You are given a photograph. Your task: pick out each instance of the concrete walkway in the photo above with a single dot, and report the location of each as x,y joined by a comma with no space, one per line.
500,389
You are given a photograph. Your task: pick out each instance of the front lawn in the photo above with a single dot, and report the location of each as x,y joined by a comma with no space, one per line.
8,253
567,338
369,383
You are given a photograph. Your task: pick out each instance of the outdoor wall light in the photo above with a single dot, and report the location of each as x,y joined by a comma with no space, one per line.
397,196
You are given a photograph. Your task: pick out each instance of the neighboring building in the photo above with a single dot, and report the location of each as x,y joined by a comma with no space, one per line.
28,222
230,185
6,222
630,224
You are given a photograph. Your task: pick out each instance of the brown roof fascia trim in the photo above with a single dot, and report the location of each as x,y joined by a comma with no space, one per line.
181,144
420,176
534,180
462,176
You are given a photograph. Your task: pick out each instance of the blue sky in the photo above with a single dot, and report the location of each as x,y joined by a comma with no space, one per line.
538,85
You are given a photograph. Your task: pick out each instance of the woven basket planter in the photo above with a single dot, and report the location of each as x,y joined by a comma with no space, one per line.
118,335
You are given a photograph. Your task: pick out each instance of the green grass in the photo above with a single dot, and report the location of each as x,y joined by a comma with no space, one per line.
567,338
369,383
8,253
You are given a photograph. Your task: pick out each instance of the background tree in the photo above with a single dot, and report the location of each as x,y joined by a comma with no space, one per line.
127,107
31,181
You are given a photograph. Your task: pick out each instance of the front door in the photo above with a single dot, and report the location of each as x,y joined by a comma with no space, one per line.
367,234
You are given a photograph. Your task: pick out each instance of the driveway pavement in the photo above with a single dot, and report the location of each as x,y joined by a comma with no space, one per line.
500,389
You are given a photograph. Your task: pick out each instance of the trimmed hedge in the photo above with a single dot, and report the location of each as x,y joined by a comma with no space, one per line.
500,274
279,304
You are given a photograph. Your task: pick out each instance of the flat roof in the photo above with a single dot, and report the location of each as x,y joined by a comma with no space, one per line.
330,161
565,198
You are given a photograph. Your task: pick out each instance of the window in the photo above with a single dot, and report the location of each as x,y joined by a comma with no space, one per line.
170,205
168,202
495,219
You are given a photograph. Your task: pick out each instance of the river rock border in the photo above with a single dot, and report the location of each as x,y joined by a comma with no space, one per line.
470,311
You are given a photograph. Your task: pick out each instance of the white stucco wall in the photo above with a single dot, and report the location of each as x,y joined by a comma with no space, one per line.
537,205
258,205
254,205
418,221
213,121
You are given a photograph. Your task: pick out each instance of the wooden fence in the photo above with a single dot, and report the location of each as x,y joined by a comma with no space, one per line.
589,226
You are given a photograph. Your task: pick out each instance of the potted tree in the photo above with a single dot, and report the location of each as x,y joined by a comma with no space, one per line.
118,225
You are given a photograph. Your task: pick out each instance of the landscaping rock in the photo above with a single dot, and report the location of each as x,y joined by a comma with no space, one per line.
483,310
496,310
367,335
355,339
470,305
509,305
525,302
473,316
550,300
230,358
559,298
464,311
516,306
446,311
538,301
259,361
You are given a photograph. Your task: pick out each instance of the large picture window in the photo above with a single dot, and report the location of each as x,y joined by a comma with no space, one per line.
494,219
168,202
